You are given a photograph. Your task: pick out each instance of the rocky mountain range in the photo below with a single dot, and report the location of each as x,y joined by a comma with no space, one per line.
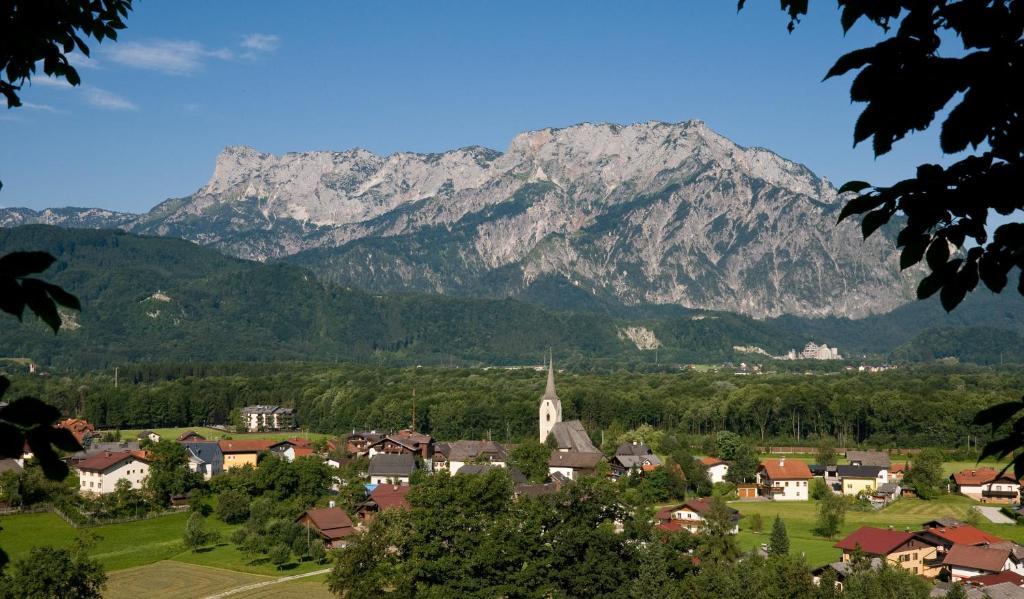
644,214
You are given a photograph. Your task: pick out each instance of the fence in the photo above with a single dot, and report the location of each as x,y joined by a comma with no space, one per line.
839,450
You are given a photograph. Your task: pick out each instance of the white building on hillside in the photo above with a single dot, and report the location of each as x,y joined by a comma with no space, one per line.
100,474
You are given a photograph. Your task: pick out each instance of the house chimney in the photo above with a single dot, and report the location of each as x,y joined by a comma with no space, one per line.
330,503
782,461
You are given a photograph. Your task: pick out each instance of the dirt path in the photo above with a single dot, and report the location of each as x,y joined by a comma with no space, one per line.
266,583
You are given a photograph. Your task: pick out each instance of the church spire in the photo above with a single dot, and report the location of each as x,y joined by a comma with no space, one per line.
549,390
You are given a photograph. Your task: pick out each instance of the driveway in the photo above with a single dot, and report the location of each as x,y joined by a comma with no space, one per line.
994,515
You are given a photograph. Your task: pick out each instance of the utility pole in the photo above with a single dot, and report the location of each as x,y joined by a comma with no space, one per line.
115,377
414,409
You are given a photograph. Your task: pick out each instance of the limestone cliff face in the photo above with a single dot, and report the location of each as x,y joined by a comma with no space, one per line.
646,213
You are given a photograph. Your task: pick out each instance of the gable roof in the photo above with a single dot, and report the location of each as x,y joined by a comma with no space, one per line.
1002,590
245,446
392,464
1004,576
783,469
464,451
8,464
332,523
574,459
964,534
390,496
638,461
572,436
874,541
976,476
986,559
634,449
850,471
185,436
870,458
709,461
207,451
107,460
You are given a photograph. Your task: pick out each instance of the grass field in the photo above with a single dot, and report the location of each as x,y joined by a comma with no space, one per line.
174,579
121,546
213,434
800,517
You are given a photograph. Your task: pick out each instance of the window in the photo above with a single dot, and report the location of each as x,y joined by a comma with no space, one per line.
548,416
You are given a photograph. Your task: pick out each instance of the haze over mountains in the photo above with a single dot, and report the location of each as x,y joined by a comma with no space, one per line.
593,215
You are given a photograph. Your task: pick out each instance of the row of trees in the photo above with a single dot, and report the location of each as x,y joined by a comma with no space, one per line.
914,407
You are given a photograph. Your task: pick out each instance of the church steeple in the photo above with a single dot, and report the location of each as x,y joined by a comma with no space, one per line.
550,412
549,390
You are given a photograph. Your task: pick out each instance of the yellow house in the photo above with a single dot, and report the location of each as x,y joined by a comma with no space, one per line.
242,453
903,549
861,479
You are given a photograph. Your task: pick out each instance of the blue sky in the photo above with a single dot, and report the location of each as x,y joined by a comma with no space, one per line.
188,78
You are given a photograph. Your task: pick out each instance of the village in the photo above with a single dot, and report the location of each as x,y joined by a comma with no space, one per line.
942,550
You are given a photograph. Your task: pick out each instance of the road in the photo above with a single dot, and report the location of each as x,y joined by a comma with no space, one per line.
266,583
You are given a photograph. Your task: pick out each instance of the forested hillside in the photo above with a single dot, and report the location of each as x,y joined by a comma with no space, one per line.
150,299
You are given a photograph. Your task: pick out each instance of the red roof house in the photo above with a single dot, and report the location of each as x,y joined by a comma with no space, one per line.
332,524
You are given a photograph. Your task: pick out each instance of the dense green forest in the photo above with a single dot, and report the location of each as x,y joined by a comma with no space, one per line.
148,299
907,407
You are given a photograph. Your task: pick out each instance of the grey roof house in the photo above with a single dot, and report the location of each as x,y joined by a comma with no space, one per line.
391,467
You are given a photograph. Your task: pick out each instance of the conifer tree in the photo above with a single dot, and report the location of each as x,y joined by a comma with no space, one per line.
778,544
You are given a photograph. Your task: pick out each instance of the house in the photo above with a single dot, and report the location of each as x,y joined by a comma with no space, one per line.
987,580
290,449
573,464
205,458
453,456
266,418
717,469
633,457
189,436
987,485
243,453
869,458
784,480
80,428
99,474
391,468
967,561
855,480
896,472
841,570
383,497
332,524
885,494
903,549
690,516
945,534
403,442
358,443
152,436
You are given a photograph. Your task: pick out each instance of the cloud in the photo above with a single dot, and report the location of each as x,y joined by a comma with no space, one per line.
81,61
174,57
44,81
101,98
261,42
43,107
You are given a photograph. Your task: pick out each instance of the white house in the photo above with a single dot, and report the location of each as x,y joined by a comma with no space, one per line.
690,516
100,474
784,480
550,412
967,561
453,456
717,469
987,485
391,468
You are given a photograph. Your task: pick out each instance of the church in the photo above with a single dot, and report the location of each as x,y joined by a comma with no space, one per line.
568,436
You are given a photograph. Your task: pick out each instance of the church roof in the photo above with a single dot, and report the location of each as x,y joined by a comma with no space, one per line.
571,435
549,390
